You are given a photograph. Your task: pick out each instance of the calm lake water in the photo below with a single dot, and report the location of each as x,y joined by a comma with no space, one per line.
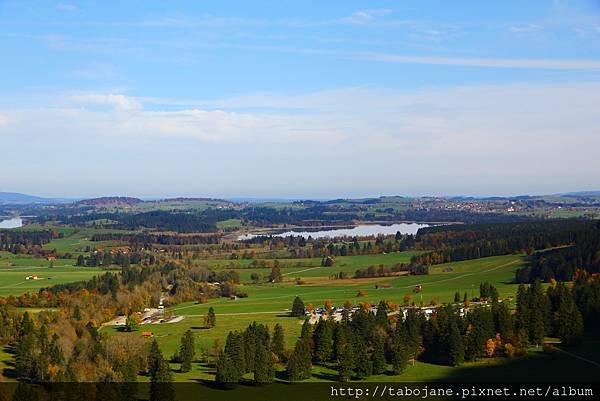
362,230
11,223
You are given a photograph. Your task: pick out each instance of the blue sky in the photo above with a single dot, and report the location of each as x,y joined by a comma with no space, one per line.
299,99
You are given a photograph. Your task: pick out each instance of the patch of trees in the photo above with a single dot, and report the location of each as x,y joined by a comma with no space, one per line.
148,239
561,264
27,242
251,351
464,242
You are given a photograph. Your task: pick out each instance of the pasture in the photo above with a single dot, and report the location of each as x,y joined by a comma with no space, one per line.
13,273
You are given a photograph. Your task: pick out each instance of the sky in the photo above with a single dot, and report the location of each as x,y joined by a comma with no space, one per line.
299,99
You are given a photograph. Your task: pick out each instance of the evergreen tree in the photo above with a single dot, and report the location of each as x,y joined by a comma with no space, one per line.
364,365
382,314
211,318
236,353
323,340
539,313
299,365
297,307
25,356
523,312
378,354
227,373
264,365
155,358
345,354
456,297
503,321
187,351
569,321
278,342
456,349
399,352
161,383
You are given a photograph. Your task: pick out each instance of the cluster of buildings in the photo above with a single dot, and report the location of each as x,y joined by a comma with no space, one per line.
427,311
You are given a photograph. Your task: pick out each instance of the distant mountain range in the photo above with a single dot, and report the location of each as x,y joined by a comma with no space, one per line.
17,198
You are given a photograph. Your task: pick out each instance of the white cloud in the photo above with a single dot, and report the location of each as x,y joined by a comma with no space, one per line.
116,101
525,28
363,17
452,140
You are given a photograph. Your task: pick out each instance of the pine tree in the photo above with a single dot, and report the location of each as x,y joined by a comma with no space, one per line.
399,352
211,318
456,297
569,321
378,354
161,383
364,365
382,314
346,361
539,309
297,307
187,351
455,346
523,315
503,321
264,365
155,358
227,373
323,340
236,352
278,342
299,365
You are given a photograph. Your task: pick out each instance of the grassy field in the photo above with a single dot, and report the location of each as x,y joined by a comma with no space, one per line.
440,285
311,267
269,303
13,282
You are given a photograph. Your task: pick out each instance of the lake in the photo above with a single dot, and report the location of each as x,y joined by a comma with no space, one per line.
357,231
14,222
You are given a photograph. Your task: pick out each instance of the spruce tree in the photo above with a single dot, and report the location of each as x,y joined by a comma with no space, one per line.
364,365
569,320
323,340
399,352
503,321
455,346
264,365
378,354
297,307
236,352
227,373
161,383
539,313
278,342
187,351
299,365
382,314
345,354
155,358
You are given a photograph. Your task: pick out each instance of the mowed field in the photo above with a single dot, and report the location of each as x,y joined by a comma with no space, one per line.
15,269
440,285
269,304
311,267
